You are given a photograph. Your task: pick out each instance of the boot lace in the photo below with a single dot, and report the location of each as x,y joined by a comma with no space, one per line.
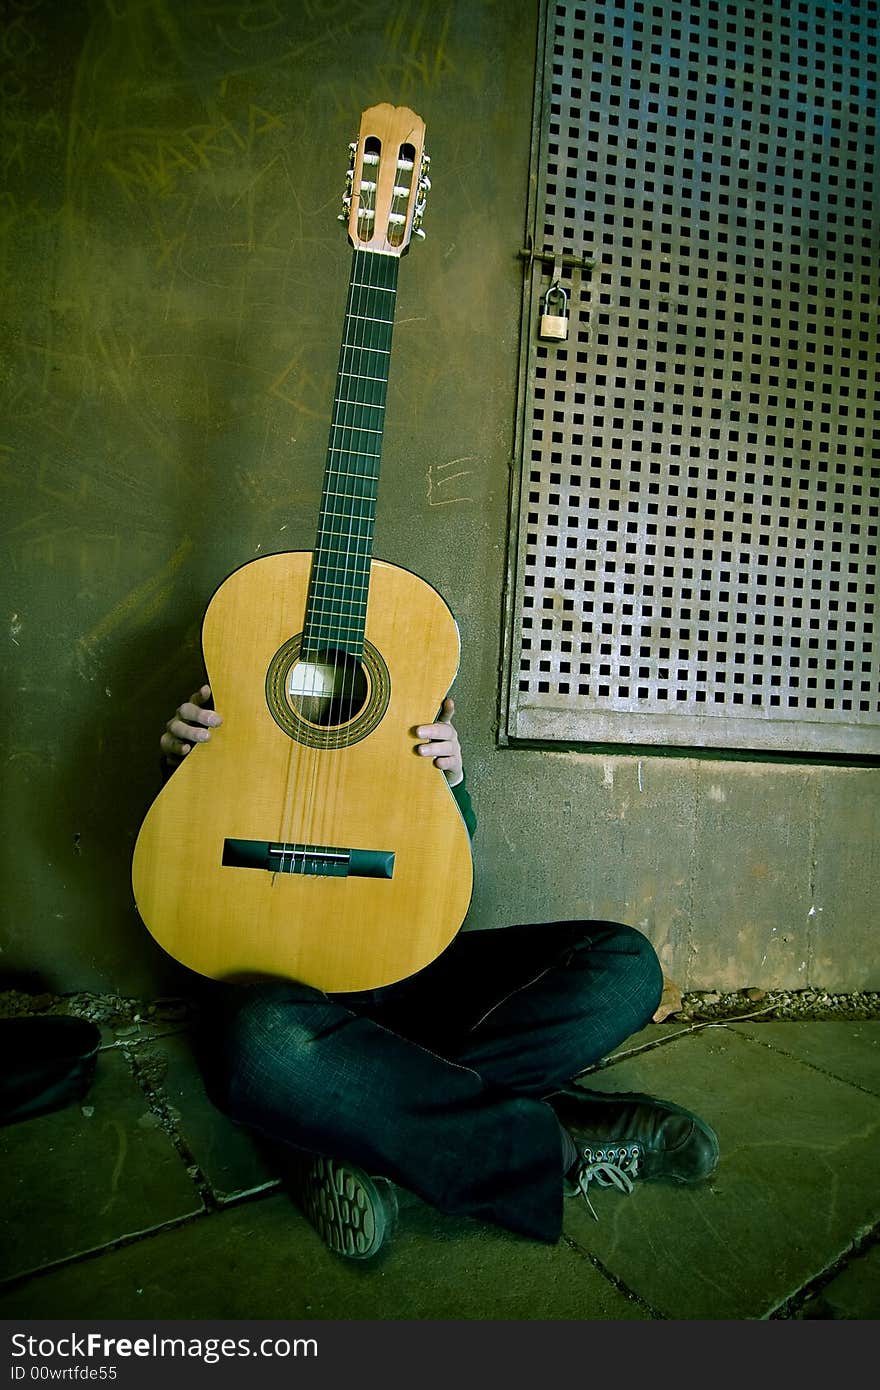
614,1166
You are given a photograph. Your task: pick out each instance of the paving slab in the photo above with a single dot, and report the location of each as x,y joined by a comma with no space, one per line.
849,1051
78,1178
261,1259
852,1294
796,1184
233,1163
797,1115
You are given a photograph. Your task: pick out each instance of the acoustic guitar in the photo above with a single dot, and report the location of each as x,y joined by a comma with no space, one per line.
307,839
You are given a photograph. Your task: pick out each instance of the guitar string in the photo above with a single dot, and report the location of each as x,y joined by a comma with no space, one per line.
331,572
374,333
347,591
370,333
377,326
367,334
329,575
325,576
340,598
302,800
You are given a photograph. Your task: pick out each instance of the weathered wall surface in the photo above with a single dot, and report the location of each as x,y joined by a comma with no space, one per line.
174,280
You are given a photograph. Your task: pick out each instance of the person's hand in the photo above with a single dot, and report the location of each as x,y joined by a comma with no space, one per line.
443,745
190,724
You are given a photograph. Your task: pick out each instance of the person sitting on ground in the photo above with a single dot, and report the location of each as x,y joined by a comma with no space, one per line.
456,1084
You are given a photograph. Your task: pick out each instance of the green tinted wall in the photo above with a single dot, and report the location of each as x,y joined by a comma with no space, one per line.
173,287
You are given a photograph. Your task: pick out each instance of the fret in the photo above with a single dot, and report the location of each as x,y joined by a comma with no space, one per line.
329,558
351,581
356,520
332,555
335,629
322,599
346,584
338,608
329,555
368,472
314,644
355,316
339,582
345,544
359,376
367,475
363,405
350,497
349,473
358,529
381,288
357,453
348,567
337,622
350,648
354,400
341,476
362,347
345,572
339,605
346,447
336,566
344,403
362,429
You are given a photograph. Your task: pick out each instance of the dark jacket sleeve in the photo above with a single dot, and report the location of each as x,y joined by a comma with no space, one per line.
466,806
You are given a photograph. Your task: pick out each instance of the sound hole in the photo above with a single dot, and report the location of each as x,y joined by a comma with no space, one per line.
328,688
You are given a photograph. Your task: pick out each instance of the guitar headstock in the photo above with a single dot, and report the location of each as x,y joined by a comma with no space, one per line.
387,180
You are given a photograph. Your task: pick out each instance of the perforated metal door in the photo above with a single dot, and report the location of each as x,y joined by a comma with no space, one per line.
694,530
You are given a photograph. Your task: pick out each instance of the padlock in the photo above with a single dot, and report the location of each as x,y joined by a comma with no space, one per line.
555,326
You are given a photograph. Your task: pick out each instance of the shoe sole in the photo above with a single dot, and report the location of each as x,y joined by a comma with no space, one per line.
348,1209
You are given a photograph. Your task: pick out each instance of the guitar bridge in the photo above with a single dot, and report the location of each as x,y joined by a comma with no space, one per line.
315,860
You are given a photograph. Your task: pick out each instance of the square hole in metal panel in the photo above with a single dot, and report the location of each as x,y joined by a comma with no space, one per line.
694,534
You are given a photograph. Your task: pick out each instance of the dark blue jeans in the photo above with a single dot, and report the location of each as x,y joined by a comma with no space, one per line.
438,1082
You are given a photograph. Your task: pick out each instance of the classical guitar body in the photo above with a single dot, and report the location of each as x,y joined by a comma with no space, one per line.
256,785
308,839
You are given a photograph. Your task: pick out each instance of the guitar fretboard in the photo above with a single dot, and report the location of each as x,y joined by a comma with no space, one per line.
337,600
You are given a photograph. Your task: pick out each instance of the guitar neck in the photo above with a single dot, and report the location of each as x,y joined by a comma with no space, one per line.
337,599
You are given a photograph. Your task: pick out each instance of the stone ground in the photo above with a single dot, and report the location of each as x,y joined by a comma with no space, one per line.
143,1202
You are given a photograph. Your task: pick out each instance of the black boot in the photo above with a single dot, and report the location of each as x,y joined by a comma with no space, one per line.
622,1137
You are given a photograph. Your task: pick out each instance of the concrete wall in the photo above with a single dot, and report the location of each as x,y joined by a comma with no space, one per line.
174,280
